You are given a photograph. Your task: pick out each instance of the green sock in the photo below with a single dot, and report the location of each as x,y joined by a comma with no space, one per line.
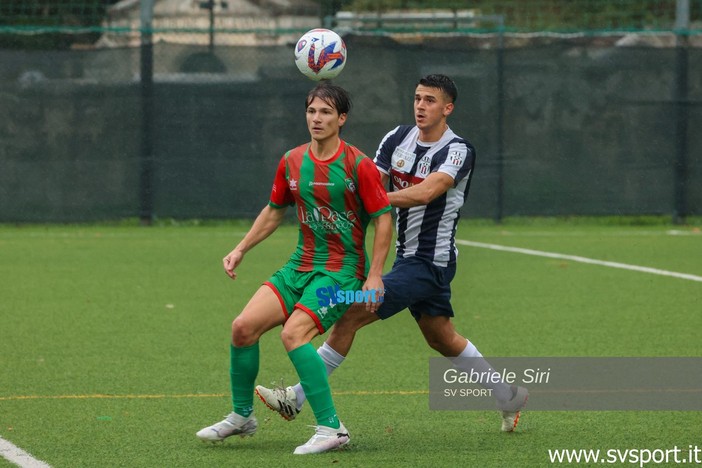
243,372
313,377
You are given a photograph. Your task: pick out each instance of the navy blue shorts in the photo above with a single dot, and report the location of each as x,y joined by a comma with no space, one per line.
419,285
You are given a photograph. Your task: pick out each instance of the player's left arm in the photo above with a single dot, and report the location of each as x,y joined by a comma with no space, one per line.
435,185
382,240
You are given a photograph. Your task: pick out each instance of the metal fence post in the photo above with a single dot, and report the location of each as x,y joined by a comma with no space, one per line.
146,193
680,96
499,214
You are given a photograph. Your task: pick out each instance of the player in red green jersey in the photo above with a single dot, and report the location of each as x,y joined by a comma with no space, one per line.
336,191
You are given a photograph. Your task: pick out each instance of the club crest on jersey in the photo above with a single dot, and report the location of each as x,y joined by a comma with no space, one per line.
423,168
350,185
456,157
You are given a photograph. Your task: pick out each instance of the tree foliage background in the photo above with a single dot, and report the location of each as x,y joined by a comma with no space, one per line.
58,24
41,20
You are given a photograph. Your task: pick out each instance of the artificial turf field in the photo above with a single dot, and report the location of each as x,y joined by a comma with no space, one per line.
114,345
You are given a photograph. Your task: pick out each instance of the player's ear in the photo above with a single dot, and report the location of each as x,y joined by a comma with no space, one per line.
342,119
448,108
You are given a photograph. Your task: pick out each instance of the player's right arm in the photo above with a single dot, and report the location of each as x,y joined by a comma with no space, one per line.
266,222
435,185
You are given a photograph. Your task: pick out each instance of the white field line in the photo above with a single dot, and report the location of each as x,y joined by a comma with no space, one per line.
19,457
575,258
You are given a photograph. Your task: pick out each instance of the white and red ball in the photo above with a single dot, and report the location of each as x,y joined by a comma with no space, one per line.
320,54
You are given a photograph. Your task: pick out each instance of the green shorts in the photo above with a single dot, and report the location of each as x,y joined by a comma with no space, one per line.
298,290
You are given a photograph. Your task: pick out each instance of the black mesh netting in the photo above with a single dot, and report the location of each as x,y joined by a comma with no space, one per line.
587,130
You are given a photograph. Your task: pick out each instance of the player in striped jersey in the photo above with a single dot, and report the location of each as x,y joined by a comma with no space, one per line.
429,169
337,191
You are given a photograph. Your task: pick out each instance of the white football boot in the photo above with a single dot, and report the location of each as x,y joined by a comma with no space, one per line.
511,409
324,438
234,424
282,400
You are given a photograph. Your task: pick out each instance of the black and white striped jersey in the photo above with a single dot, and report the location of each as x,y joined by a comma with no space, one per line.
427,231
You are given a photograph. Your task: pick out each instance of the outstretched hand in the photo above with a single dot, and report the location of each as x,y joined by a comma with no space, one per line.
231,261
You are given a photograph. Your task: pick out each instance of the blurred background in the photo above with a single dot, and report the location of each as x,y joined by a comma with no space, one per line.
182,108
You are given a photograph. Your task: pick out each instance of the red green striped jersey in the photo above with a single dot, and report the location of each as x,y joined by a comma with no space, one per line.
335,200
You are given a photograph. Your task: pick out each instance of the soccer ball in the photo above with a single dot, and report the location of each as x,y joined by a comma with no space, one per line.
320,54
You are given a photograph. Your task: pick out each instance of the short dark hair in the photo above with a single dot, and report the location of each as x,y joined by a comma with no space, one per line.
335,96
442,82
